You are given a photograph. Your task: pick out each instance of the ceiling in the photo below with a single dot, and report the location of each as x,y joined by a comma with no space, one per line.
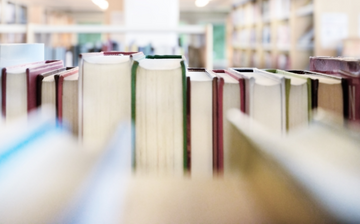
87,5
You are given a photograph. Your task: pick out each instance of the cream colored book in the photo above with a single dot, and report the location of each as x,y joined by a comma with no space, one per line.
159,106
41,167
104,95
202,118
328,92
266,97
309,176
298,109
67,106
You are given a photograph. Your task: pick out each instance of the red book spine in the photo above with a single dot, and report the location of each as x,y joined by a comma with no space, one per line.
59,81
31,76
3,92
242,90
220,155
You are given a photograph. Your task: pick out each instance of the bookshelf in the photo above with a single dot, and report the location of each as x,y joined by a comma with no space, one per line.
32,29
281,33
265,33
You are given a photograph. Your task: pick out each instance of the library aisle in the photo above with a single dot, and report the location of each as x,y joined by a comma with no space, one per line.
179,111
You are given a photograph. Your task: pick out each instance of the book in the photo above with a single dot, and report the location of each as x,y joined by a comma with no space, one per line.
18,54
291,176
104,95
349,70
19,88
230,94
327,91
46,88
67,92
331,65
41,166
299,104
202,122
266,97
158,110
101,190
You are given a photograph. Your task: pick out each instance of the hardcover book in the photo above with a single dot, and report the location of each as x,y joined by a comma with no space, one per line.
299,106
305,177
327,91
230,94
349,70
201,121
104,95
67,106
158,110
267,97
19,88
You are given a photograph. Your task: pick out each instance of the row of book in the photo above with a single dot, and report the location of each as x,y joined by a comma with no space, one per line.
175,123
309,176
177,112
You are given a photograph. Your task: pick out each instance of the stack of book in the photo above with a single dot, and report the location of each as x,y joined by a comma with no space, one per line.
176,122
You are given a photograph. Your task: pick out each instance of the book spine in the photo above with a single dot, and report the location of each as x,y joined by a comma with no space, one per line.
314,93
184,86
133,111
39,80
215,124
354,100
58,97
287,102
345,87
188,126
3,92
220,155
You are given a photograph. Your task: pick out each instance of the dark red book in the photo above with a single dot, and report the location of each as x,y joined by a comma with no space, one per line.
31,76
67,96
230,94
333,64
19,87
46,78
349,70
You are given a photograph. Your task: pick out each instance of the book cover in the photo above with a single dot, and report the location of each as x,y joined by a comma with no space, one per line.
331,65
31,76
349,70
267,97
59,81
22,91
201,122
222,130
104,77
39,83
164,64
314,87
295,83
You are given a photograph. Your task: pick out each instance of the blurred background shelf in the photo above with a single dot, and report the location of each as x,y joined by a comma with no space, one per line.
289,31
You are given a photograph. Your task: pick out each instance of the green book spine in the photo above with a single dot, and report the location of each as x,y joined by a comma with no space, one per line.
133,111
133,107
184,85
287,101
309,87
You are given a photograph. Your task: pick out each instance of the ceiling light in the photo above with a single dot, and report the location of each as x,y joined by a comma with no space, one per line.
201,3
102,4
